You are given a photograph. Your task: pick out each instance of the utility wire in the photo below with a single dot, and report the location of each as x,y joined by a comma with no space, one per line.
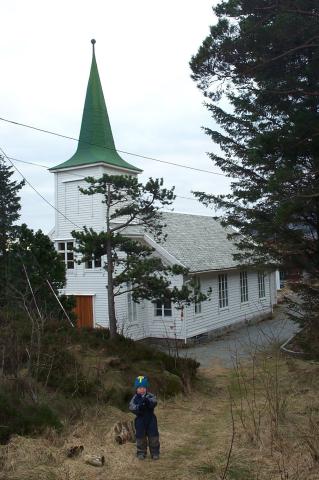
36,191
110,148
78,175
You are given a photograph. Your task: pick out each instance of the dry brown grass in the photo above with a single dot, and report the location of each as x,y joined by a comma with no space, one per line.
195,433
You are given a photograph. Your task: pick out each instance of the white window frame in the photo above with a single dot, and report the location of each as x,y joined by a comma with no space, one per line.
66,253
94,263
197,305
160,310
131,308
261,285
282,278
243,287
222,291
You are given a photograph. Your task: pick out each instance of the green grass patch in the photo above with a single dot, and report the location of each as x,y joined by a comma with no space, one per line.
207,468
239,472
235,471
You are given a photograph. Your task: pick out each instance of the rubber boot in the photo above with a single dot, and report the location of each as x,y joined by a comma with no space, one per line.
154,446
141,448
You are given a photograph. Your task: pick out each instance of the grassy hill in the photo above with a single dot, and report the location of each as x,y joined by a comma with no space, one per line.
262,416
256,421
52,374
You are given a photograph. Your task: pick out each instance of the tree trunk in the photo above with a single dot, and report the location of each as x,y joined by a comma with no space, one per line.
110,291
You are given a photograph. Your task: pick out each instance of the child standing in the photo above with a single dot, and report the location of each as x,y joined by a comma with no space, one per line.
142,405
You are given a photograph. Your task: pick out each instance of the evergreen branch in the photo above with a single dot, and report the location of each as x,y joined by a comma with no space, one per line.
312,195
124,225
277,8
285,54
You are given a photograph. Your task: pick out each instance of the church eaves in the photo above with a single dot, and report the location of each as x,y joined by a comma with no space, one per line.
96,143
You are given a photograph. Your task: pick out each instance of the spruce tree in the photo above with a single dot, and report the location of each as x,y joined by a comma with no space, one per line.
33,258
25,252
131,210
9,206
258,69
9,214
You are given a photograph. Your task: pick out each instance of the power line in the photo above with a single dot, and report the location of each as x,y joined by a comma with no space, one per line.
110,148
30,163
78,175
36,191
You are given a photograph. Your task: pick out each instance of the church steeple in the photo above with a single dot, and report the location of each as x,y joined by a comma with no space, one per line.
96,143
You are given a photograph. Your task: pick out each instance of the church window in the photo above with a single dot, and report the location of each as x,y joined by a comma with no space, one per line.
95,262
197,305
163,309
243,287
261,285
222,291
65,249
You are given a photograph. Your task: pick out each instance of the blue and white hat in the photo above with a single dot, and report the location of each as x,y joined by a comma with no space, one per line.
141,381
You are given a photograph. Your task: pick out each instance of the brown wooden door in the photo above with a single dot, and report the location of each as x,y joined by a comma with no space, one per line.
84,311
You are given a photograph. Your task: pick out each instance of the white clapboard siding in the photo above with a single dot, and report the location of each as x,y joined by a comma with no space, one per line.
212,317
131,320
80,209
82,281
166,327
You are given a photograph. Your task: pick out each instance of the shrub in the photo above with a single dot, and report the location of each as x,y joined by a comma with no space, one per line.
24,419
60,370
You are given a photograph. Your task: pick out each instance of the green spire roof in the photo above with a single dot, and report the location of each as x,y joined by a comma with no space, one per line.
96,144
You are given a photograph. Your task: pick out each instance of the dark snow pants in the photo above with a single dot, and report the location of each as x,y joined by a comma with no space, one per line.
146,429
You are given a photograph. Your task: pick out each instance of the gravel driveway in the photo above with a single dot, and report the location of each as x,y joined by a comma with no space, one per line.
244,341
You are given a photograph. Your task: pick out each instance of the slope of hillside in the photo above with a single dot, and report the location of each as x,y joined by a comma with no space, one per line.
261,416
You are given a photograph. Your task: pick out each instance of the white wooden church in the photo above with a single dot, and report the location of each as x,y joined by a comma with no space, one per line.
197,242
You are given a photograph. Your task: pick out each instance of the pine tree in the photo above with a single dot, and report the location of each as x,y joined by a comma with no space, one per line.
258,70
131,209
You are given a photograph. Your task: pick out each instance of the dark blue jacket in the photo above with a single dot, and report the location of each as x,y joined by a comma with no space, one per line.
143,404
143,407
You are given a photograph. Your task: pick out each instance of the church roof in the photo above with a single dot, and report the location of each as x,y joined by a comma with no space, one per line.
199,243
96,143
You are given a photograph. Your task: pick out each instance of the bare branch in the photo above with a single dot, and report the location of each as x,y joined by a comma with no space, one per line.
231,441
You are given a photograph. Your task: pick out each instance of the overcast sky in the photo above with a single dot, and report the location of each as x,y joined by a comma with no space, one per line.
143,50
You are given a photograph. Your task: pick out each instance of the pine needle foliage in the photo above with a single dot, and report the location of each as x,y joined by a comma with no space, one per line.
258,70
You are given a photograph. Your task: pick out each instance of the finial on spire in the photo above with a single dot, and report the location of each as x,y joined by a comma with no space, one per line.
93,41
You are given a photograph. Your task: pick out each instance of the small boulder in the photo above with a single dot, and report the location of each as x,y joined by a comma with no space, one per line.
95,460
